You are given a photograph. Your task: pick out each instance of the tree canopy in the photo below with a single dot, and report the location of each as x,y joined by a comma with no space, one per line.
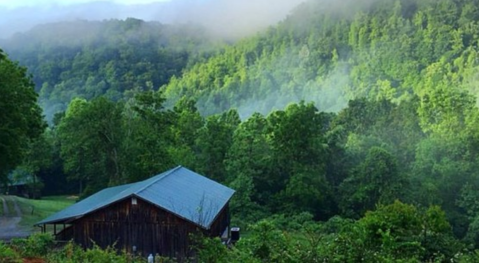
21,118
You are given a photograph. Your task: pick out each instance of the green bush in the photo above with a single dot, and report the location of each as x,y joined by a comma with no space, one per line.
98,255
37,245
72,253
209,249
8,255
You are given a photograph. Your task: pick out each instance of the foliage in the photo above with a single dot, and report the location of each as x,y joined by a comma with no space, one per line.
37,245
71,253
113,58
90,135
209,249
392,233
8,255
374,181
266,243
330,54
21,120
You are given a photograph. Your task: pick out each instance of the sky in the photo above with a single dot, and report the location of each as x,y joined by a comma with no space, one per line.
30,3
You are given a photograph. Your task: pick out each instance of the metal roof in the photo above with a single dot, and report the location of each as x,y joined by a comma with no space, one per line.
181,191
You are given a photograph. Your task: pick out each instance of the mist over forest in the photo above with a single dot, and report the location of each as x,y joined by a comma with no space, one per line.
349,129
224,18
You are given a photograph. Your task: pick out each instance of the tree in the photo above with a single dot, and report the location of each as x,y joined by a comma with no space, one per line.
38,157
375,180
91,143
249,154
247,164
403,231
148,135
213,142
20,116
299,152
187,122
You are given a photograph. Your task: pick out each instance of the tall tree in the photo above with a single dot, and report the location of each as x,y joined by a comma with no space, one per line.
91,140
299,158
20,116
149,136
213,142
375,180
187,122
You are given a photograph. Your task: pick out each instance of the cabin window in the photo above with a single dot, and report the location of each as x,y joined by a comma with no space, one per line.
133,201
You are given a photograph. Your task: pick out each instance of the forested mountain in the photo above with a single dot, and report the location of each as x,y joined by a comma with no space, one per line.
361,115
329,52
323,52
112,57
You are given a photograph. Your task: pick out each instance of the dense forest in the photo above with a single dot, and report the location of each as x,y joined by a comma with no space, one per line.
350,131
331,53
113,58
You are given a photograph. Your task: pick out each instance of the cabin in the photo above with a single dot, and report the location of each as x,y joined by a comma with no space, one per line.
22,183
154,216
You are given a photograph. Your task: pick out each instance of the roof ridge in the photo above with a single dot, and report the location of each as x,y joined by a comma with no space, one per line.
181,195
157,180
99,205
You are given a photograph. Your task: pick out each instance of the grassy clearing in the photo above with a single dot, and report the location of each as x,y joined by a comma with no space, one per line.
36,210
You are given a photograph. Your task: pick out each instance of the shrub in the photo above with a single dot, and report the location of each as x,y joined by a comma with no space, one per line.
8,255
37,245
72,253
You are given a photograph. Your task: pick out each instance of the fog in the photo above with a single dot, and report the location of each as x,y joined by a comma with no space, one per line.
328,93
225,18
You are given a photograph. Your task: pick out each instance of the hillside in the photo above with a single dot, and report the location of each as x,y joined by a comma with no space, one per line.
112,57
322,52
329,53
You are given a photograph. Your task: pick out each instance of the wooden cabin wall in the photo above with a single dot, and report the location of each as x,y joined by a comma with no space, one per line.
149,228
222,221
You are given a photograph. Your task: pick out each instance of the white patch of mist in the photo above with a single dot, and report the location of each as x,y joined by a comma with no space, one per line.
328,92
329,95
52,108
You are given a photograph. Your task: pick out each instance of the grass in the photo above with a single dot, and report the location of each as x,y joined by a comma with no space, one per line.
36,210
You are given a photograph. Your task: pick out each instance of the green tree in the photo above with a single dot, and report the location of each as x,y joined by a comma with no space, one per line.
148,127
404,231
20,118
91,143
187,122
213,142
250,154
299,155
375,180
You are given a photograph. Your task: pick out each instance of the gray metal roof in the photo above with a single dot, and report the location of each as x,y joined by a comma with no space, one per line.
179,190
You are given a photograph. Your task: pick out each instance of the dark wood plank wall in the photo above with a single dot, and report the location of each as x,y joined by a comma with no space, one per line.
148,227
222,221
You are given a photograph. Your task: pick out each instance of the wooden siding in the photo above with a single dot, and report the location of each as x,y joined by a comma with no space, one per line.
148,227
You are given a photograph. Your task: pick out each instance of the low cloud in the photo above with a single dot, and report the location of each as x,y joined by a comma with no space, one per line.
225,18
